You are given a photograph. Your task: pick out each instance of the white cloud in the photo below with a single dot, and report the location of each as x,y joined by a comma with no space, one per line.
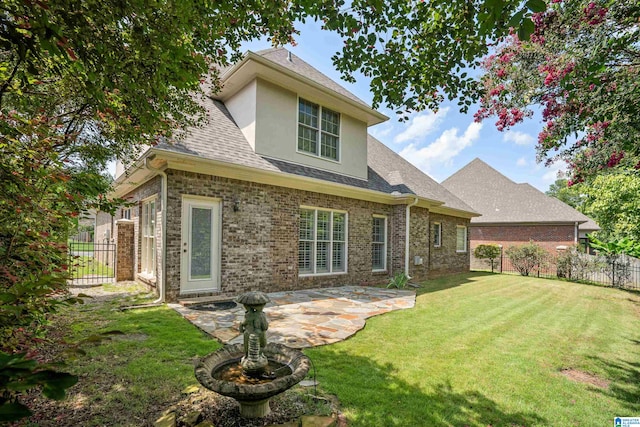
519,138
555,171
421,125
446,147
381,131
521,162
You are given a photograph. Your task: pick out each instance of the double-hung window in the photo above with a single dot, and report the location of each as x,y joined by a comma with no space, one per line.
437,234
379,243
148,233
318,130
322,246
461,238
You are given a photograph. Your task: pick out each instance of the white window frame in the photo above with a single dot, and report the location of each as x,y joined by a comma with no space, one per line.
383,243
148,237
465,231
126,213
438,234
319,130
331,242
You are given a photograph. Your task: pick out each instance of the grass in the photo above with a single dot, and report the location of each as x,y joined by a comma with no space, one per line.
87,265
477,350
131,377
80,246
483,349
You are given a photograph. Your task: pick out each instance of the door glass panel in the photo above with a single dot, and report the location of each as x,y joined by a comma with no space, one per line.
200,243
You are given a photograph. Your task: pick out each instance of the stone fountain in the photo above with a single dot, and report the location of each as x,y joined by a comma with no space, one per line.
255,371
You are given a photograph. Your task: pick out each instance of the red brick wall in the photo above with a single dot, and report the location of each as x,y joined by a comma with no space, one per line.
547,236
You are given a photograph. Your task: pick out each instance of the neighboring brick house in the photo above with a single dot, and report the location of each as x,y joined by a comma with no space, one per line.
515,214
283,189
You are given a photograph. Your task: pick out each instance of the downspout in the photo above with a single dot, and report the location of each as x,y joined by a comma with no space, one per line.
163,278
407,230
575,237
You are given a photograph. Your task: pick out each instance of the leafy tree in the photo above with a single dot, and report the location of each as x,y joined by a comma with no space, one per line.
580,67
489,252
613,201
526,258
572,196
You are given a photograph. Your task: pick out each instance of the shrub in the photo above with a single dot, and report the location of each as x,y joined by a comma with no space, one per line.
526,258
574,264
489,252
399,281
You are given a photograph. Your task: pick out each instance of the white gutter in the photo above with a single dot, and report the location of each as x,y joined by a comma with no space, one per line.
406,242
162,289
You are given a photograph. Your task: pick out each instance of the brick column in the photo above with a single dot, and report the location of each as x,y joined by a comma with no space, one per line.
124,250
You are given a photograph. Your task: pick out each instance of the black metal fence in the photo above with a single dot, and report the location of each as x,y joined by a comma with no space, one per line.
91,263
620,271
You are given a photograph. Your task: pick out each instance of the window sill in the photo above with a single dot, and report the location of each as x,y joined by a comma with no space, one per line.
461,252
379,271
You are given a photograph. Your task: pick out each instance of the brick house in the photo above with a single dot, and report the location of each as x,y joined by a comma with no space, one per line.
515,214
282,188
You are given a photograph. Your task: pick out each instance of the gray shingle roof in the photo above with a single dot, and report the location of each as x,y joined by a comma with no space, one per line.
403,177
281,57
501,200
220,139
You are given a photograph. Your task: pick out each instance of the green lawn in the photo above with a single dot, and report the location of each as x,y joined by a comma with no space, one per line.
482,349
87,265
477,350
80,246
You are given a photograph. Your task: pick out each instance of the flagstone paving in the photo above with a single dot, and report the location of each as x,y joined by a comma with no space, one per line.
305,318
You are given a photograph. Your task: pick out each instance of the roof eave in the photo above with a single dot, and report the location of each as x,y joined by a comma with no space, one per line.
372,116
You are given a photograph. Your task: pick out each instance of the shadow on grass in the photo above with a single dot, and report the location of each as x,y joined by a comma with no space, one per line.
448,282
625,381
371,394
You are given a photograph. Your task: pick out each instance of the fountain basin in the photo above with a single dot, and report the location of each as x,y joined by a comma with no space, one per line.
253,398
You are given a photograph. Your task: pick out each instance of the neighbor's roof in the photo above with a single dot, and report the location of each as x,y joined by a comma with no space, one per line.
501,200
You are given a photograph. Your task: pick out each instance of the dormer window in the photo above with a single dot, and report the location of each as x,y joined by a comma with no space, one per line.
318,130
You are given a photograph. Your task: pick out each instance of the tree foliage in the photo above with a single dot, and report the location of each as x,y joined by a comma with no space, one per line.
613,201
572,196
489,252
580,67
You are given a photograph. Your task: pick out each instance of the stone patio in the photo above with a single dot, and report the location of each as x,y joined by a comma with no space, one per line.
306,318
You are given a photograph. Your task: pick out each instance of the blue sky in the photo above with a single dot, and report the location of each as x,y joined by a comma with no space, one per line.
439,144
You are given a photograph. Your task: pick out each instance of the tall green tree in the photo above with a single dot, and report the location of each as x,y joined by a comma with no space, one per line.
581,68
613,201
572,196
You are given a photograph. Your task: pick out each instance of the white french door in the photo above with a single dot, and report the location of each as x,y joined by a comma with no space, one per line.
200,249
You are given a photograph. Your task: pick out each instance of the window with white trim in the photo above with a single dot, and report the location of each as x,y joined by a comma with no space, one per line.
379,243
437,234
318,130
148,241
322,245
126,213
461,238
